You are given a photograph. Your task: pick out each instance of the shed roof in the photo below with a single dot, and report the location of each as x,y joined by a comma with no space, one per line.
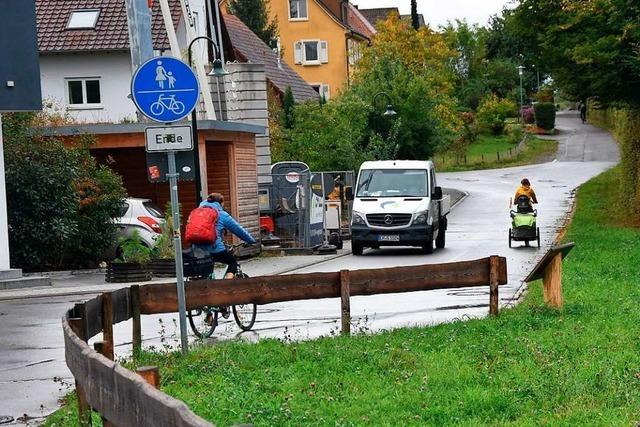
251,48
111,31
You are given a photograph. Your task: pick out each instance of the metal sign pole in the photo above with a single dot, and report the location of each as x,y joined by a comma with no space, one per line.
177,242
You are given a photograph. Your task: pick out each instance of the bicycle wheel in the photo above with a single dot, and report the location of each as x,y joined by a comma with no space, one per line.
198,321
157,108
177,107
245,314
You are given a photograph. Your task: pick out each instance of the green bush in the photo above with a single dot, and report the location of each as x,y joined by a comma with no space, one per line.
493,112
545,115
133,250
59,201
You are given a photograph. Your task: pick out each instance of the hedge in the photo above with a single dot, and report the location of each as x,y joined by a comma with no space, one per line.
545,113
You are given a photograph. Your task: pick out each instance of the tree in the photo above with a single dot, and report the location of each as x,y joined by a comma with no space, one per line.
255,14
415,20
288,102
413,68
57,197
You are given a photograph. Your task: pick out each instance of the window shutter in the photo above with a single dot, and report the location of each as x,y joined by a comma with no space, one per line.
324,92
324,51
297,52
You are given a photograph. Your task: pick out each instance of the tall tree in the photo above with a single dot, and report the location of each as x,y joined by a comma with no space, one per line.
255,15
415,20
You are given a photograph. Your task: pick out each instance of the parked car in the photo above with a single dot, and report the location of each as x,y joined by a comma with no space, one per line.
138,214
398,203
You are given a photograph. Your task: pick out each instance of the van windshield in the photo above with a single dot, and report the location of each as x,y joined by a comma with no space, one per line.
393,183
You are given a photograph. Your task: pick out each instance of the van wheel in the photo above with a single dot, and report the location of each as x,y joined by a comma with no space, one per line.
356,248
427,248
441,239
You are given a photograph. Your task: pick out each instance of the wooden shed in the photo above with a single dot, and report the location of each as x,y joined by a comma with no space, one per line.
227,162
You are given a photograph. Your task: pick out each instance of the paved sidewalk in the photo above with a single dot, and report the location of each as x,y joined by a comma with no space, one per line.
93,281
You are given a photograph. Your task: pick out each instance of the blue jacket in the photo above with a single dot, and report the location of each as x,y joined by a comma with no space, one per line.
225,221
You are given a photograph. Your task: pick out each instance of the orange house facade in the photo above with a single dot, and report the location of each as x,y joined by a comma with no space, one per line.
321,40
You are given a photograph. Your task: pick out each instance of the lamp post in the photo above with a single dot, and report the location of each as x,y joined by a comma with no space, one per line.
390,112
521,73
217,71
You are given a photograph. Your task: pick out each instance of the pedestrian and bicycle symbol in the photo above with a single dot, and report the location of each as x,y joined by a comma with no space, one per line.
165,89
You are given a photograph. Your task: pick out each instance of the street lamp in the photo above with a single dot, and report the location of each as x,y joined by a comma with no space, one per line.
217,71
521,73
390,112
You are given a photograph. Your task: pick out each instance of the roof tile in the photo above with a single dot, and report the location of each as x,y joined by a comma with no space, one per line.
253,49
111,30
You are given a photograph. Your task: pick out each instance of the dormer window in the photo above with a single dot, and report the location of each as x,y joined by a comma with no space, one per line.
83,19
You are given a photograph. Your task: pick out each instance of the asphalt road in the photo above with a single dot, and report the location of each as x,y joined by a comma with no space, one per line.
31,347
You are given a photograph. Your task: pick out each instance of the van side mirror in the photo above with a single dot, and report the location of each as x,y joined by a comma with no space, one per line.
437,193
348,193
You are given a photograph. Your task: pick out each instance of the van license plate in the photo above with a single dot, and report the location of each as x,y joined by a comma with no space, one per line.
388,238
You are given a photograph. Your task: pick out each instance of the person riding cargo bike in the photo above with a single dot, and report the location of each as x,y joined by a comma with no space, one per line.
524,217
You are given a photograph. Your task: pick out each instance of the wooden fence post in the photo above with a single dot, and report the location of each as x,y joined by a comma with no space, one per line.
494,263
107,325
84,411
498,155
150,375
552,282
345,294
100,347
135,319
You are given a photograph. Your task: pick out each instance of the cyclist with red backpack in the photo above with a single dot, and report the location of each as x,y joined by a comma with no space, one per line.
205,230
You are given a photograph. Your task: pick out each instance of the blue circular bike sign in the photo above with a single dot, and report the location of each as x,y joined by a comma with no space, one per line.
165,89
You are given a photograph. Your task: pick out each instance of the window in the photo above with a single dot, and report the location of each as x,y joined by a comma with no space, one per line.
297,9
83,92
311,52
83,19
393,183
322,89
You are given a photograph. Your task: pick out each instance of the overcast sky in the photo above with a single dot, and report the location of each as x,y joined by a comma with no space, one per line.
438,12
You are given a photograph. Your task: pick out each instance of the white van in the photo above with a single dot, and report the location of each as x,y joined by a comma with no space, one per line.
398,203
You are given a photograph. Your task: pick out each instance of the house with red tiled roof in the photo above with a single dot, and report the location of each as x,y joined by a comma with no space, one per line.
322,40
85,63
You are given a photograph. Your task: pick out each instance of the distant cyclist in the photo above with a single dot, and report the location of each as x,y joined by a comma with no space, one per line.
225,221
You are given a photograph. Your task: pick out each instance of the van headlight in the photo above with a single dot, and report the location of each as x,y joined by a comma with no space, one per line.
357,219
421,217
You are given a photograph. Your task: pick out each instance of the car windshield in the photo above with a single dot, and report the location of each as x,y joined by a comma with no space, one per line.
153,209
393,183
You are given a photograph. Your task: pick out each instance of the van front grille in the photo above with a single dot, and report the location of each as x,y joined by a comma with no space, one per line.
389,220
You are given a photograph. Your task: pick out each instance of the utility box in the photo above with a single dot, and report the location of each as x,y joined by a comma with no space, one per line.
19,66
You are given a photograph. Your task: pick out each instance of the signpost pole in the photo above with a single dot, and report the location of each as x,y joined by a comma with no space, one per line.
4,230
177,243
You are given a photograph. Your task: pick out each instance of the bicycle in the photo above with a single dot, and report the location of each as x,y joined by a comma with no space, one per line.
204,320
176,107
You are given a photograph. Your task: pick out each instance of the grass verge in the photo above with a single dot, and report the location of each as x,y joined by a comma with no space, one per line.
530,366
482,154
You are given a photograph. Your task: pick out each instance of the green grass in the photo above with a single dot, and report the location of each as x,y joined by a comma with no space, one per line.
482,154
530,366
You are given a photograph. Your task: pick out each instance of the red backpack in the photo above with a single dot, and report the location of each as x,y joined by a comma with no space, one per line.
201,226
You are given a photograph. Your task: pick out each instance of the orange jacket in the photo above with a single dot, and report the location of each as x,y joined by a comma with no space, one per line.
525,191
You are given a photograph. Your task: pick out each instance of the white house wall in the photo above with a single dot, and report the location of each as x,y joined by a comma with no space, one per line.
114,71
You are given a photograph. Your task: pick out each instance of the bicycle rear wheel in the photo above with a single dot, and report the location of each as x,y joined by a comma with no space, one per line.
245,314
203,325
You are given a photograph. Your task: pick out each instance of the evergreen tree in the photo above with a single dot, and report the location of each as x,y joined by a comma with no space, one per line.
287,106
415,20
255,15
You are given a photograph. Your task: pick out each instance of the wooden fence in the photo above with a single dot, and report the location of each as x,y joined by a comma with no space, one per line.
125,398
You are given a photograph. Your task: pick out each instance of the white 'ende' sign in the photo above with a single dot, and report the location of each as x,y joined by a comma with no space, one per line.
172,138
